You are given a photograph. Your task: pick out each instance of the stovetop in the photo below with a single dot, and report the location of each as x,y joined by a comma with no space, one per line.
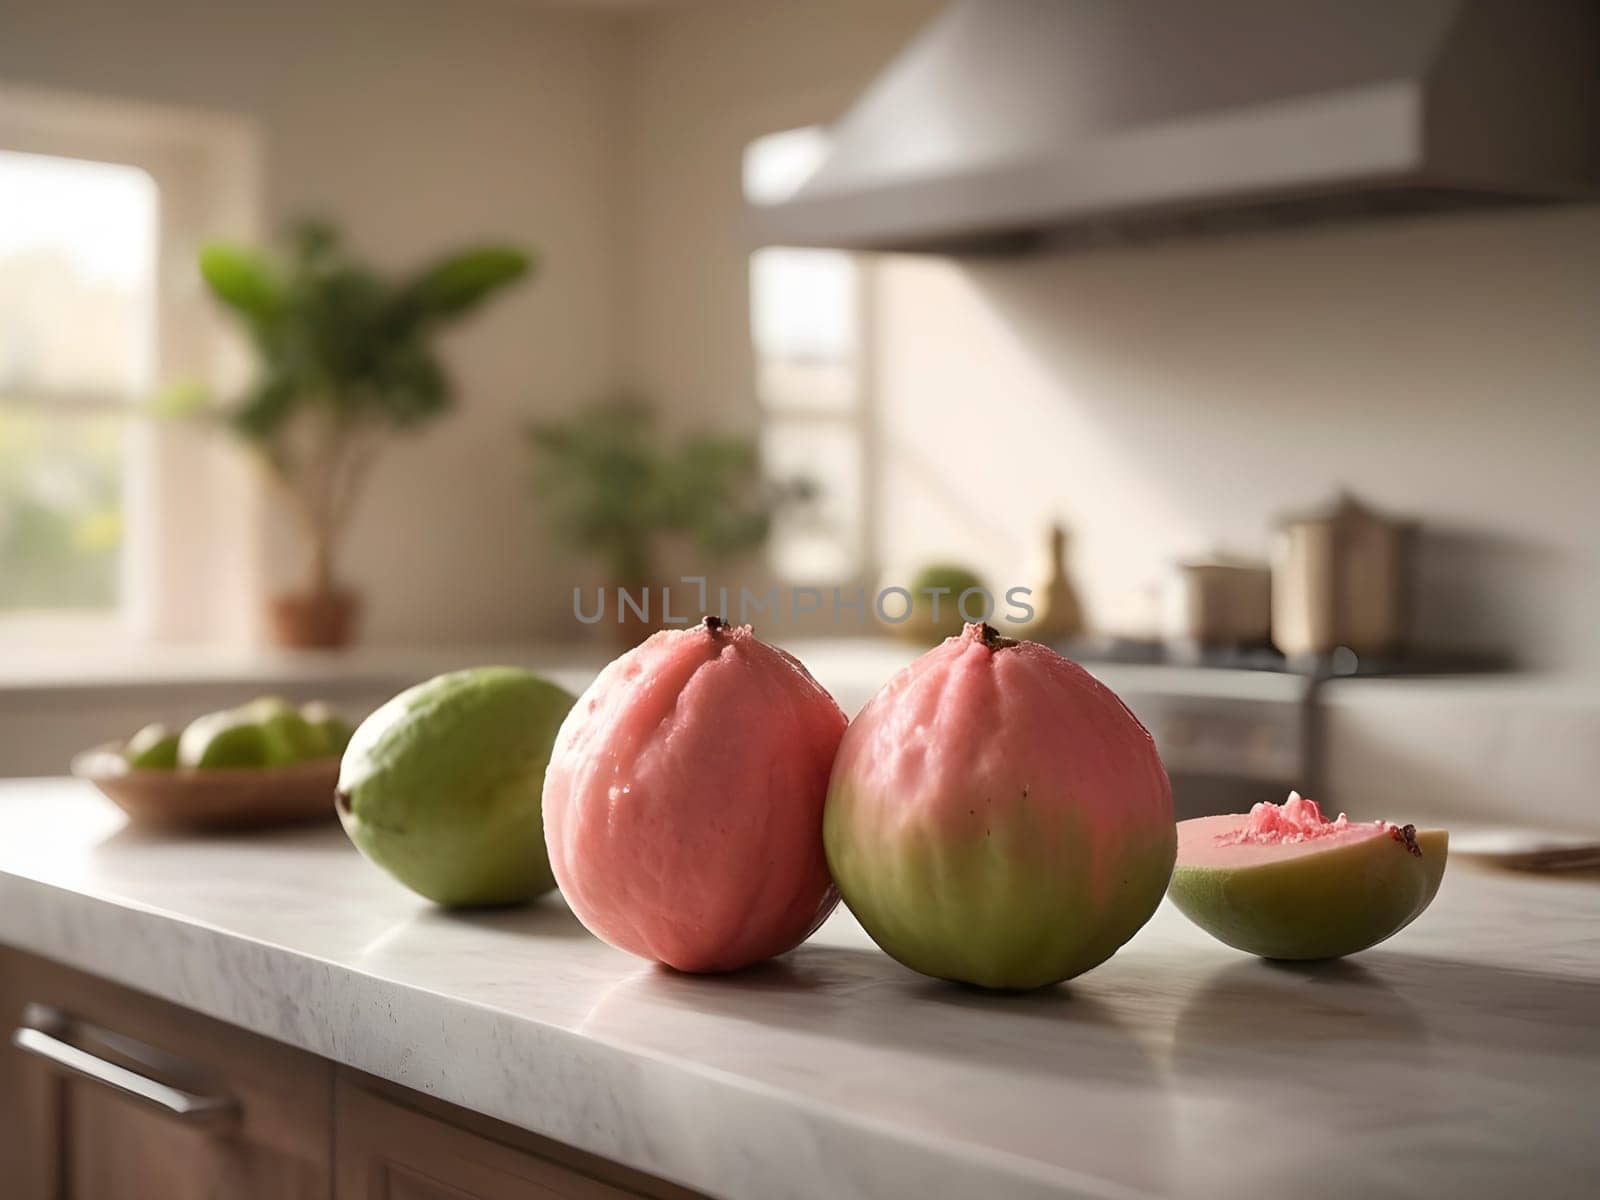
1341,664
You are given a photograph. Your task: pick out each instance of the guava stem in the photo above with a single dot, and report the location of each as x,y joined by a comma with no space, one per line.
994,640
714,624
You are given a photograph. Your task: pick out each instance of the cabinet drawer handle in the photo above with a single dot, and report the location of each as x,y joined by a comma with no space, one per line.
41,1034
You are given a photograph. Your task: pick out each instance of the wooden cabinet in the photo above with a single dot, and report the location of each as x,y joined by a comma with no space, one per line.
390,1151
71,1136
114,1095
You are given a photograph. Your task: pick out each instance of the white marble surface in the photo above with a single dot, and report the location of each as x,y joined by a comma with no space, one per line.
1462,1058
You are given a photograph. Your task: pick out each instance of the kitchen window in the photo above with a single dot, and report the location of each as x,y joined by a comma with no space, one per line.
77,347
806,322
115,527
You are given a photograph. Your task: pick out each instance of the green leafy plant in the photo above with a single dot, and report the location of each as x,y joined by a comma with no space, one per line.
612,486
345,358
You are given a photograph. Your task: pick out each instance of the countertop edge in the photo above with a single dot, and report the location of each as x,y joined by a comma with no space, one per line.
669,1099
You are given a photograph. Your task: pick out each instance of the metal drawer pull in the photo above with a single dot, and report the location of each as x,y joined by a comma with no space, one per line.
39,1036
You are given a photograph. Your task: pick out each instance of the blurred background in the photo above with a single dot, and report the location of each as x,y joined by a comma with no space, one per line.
1271,370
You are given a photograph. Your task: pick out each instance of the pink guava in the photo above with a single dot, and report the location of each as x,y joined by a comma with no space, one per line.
997,816
683,802
1283,881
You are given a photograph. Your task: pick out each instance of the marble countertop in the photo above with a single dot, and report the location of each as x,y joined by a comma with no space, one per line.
1462,1058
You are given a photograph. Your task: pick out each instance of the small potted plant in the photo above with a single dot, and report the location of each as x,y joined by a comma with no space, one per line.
345,359
613,487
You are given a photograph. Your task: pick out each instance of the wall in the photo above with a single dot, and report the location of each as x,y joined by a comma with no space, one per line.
1172,399
1165,400
418,124
700,81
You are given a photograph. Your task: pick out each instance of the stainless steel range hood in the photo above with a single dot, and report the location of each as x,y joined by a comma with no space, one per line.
1014,121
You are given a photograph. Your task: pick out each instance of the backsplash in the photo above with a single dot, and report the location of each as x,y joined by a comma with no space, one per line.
1171,399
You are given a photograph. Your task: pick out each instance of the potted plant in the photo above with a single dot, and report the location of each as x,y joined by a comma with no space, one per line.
613,487
345,359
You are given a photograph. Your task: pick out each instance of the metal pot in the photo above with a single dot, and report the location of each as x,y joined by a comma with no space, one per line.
1221,602
1340,578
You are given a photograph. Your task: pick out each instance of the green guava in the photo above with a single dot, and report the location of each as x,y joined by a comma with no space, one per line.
153,748
441,786
330,731
227,739
287,736
1284,882
936,603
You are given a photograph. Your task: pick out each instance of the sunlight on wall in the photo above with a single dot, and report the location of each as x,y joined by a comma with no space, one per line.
1175,399
982,446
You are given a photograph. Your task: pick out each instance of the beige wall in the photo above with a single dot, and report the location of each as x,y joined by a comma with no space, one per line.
700,82
1169,400
608,136
1165,400
417,124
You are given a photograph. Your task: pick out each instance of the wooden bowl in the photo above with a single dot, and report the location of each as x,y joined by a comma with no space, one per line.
192,798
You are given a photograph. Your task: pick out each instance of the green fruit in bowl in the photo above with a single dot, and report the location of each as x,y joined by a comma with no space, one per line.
153,748
331,731
287,736
232,738
441,786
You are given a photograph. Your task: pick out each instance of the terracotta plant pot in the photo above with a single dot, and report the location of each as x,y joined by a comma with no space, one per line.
315,620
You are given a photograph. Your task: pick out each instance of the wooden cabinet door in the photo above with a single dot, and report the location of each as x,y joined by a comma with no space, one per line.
78,1137
385,1150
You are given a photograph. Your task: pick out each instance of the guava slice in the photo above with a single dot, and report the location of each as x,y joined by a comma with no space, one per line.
1283,881
440,787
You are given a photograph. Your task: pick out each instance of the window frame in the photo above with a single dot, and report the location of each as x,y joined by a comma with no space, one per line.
858,418
72,404
205,167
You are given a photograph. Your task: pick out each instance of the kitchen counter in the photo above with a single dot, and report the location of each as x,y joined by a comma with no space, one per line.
1462,1058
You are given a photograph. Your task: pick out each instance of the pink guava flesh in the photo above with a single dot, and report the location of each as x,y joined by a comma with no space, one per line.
683,802
1292,829
997,816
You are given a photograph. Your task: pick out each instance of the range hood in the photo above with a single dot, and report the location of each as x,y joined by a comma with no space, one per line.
1010,122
